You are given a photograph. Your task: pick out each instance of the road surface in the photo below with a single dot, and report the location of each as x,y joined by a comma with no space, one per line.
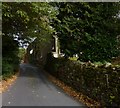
32,88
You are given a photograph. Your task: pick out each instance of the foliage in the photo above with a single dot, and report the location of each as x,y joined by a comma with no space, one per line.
116,61
26,20
100,83
22,22
73,58
21,53
9,46
9,68
88,29
10,60
40,50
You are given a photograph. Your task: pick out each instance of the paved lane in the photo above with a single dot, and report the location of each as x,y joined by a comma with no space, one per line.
33,89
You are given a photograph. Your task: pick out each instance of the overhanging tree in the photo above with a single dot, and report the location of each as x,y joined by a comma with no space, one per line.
88,29
21,23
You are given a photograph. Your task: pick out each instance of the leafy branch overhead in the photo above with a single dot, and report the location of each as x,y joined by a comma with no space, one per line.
21,23
90,28
27,19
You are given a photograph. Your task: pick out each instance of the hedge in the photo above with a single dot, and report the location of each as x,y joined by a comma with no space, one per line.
9,67
101,83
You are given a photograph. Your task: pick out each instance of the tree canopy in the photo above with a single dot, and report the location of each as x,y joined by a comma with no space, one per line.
25,20
88,29
22,22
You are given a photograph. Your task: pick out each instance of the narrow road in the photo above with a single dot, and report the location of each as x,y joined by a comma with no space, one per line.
33,89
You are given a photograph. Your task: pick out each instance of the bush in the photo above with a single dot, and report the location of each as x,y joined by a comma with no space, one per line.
52,65
9,68
100,83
